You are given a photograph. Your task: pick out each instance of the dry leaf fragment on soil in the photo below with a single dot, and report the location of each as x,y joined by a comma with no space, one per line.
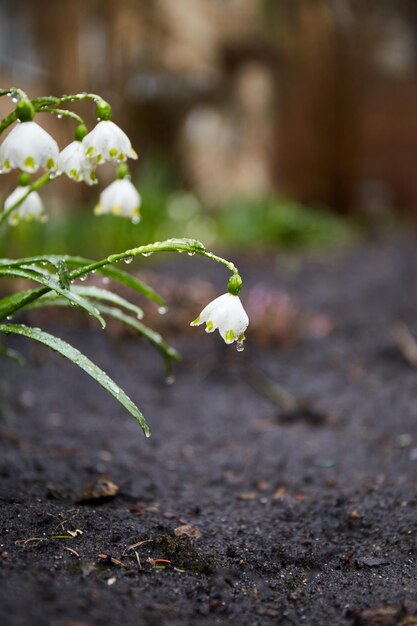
187,531
102,489
404,614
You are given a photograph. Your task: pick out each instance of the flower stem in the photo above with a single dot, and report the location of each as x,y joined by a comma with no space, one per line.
63,113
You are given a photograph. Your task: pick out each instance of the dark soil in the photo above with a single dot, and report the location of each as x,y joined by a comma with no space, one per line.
290,514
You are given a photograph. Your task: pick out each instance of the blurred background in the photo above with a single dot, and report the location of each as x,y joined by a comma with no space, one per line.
258,122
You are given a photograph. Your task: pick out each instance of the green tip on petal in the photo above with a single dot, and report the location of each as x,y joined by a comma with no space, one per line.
195,322
210,327
229,336
50,164
29,162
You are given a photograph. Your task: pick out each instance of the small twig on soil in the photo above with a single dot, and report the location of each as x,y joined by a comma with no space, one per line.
74,552
24,541
113,560
406,343
138,560
139,543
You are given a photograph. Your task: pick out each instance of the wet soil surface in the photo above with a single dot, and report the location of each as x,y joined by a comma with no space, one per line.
249,504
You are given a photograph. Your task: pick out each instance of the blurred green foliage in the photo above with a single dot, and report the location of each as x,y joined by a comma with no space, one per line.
247,223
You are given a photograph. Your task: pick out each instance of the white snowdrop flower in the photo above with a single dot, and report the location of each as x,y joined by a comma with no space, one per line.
107,142
228,315
120,198
30,209
73,162
28,147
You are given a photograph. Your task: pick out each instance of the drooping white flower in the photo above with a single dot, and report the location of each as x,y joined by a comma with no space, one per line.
73,162
120,198
228,315
28,147
30,209
108,142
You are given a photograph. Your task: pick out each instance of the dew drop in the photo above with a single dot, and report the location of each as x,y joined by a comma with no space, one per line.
14,99
135,220
191,253
170,380
146,253
128,259
105,280
83,278
239,346
59,116
162,310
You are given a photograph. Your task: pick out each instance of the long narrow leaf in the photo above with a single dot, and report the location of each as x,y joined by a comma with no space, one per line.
152,336
11,354
51,283
16,301
121,277
98,293
74,355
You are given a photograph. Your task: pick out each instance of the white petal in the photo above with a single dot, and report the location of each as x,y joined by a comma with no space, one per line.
228,315
30,209
73,162
108,142
120,198
28,147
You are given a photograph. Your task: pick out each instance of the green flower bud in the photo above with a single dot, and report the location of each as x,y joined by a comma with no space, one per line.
25,111
80,132
235,285
24,179
103,110
122,171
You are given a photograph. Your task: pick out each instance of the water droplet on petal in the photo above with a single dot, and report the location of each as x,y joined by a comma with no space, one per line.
239,346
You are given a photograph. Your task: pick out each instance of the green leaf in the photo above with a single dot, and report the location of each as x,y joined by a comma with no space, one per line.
152,336
11,354
121,277
50,282
74,355
16,301
104,294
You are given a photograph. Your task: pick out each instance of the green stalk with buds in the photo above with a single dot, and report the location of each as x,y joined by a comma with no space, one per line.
29,149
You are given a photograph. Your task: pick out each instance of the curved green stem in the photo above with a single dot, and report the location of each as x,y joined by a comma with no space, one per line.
8,121
191,246
37,184
63,113
81,96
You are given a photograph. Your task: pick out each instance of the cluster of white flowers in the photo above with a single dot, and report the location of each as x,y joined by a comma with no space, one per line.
28,147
